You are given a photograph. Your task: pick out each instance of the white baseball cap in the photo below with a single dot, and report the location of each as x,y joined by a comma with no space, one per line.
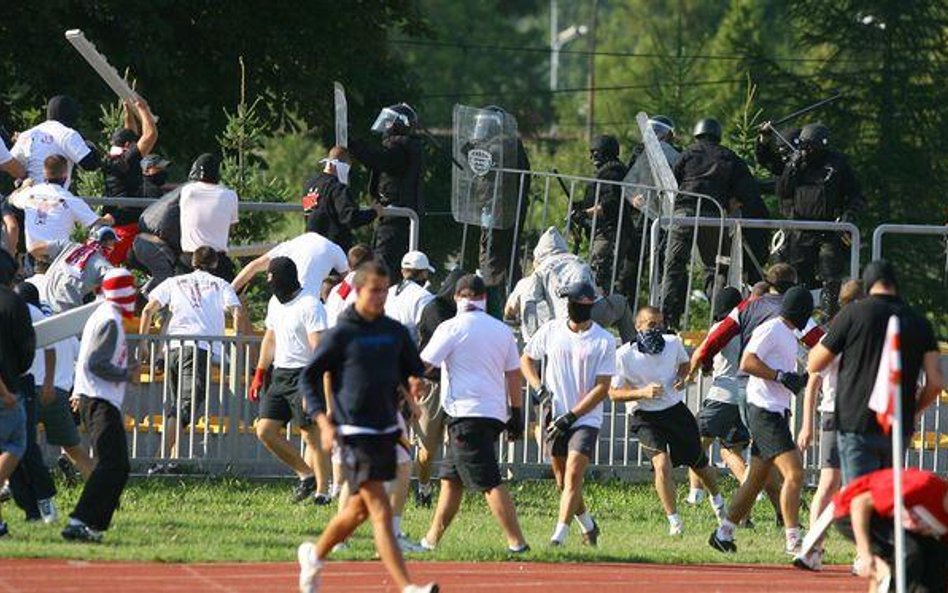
416,260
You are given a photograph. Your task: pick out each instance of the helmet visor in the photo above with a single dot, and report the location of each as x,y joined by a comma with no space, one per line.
386,119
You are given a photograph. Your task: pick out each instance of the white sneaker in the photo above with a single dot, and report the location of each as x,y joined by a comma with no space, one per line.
856,568
47,509
310,568
812,560
695,496
340,547
676,530
429,588
794,545
407,546
425,546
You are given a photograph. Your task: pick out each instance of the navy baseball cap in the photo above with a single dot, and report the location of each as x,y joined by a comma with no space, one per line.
578,292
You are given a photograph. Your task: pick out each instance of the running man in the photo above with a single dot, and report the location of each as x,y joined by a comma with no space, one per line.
295,319
650,378
481,371
368,357
770,359
580,361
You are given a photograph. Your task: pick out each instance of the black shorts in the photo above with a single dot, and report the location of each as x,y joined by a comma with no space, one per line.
770,432
829,448
471,457
283,400
368,458
581,439
674,430
722,421
190,370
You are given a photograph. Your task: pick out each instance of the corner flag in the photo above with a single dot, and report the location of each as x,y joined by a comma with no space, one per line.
888,386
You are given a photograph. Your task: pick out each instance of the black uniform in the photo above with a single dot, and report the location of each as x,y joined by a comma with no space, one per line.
821,187
706,168
336,214
495,261
603,243
396,171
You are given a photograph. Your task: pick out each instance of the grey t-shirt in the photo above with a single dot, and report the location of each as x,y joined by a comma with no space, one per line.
70,281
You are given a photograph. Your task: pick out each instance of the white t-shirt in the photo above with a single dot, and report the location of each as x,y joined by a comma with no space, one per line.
315,256
207,212
197,302
38,368
725,386
474,350
340,297
291,324
830,377
636,370
67,351
5,155
50,213
775,345
573,362
47,139
404,304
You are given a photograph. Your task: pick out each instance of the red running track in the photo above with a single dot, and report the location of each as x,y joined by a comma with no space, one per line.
489,577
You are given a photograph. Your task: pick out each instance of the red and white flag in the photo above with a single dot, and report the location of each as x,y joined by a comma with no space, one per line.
888,385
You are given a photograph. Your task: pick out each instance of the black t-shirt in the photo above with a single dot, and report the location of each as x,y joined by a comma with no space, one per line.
17,339
858,333
123,179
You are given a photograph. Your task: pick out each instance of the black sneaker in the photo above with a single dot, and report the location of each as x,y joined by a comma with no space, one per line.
522,550
304,489
722,545
70,473
4,530
423,499
82,533
591,537
156,469
320,499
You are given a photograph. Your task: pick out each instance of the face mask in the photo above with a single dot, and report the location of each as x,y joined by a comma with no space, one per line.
342,169
650,341
282,280
465,304
579,312
157,178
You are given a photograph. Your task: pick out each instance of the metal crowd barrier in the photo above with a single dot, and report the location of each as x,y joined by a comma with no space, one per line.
903,229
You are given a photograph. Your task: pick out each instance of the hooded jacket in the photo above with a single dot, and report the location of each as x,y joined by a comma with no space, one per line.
553,266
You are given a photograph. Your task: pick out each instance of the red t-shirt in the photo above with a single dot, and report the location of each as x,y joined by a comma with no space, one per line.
922,491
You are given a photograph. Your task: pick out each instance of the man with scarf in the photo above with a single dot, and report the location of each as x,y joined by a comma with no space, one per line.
123,172
103,369
478,356
650,378
55,136
580,360
770,359
329,201
406,301
75,270
295,319
197,303
429,426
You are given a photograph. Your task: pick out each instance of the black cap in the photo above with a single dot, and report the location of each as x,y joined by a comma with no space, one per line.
879,271
473,283
797,306
578,292
726,299
123,136
206,167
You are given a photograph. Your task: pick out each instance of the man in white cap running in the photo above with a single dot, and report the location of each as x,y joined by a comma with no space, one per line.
407,299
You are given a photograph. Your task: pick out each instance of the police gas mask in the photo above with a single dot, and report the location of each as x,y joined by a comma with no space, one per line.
650,341
282,279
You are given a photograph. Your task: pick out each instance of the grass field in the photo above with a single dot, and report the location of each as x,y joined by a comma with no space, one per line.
203,520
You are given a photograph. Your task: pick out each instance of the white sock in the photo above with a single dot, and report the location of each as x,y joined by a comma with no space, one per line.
674,520
307,476
397,524
717,501
560,533
726,530
586,522
792,534
75,522
424,487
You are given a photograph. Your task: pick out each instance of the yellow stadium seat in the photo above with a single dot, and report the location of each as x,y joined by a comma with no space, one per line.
930,441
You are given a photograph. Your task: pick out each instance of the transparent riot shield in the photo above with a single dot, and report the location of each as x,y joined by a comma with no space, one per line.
484,140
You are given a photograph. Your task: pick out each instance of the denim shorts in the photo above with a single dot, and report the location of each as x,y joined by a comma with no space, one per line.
13,430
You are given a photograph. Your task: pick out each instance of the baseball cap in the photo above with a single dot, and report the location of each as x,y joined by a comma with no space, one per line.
104,233
155,160
578,292
416,260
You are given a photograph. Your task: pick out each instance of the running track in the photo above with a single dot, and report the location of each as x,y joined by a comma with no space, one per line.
488,577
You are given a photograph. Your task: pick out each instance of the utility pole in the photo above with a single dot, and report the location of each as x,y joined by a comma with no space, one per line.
591,93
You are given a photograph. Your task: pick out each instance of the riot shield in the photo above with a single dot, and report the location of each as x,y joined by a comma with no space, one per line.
484,140
659,159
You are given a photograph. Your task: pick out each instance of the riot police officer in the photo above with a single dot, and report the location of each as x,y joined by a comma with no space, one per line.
396,171
710,169
600,206
818,184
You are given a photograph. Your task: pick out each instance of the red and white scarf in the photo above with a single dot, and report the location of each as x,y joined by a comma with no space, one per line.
118,287
79,257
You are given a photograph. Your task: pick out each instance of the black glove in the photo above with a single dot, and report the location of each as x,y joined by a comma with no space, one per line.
792,381
541,396
515,424
560,426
